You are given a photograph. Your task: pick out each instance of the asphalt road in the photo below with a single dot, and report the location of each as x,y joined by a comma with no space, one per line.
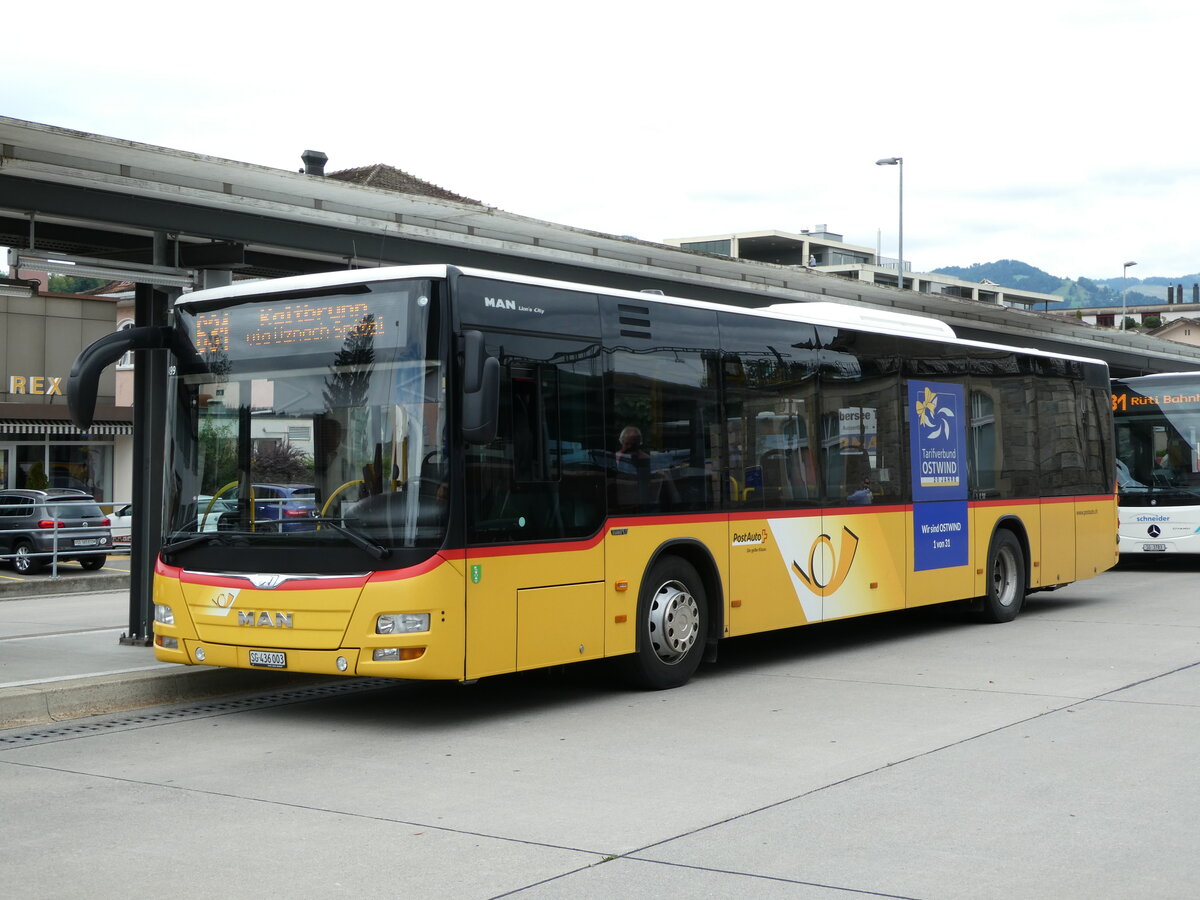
910,755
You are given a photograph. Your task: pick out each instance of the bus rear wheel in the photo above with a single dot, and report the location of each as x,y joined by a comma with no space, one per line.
672,622
1005,579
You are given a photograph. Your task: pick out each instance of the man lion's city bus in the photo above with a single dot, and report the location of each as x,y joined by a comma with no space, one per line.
1157,419
440,473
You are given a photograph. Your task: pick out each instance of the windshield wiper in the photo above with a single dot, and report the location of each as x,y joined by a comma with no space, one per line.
205,537
378,551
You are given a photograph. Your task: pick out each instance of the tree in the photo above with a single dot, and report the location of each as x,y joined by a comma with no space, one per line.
75,284
37,480
349,380
218,455
281,463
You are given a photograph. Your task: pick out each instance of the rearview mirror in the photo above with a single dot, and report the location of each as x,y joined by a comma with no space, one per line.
481,390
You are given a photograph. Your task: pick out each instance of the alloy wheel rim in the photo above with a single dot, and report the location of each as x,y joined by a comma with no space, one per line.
674,622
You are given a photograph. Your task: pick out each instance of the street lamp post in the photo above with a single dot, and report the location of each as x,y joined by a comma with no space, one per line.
898,161
1125,289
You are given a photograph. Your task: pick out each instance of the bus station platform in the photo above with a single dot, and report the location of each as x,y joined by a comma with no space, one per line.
62,656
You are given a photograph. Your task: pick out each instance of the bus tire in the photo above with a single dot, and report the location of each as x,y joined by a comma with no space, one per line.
1005,578
672,626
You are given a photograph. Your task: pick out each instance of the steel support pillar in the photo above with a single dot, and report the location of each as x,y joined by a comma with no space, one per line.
149,426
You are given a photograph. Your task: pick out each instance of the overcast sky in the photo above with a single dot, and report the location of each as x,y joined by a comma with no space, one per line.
1053,132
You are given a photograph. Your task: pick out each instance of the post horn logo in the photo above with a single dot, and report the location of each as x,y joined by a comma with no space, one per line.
843,560
224,600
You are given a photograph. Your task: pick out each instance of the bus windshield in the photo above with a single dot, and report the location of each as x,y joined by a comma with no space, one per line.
309,421
1157,420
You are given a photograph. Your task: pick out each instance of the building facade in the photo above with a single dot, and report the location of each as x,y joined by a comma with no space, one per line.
40,336
824,251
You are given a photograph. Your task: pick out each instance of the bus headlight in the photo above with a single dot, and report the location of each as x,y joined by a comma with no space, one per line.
402,623
164,615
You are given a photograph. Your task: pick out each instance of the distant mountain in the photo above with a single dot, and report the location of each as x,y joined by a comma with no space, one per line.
1010,273
1077,294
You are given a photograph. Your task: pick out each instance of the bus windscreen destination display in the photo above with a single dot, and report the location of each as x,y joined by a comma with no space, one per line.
287,328
1126,401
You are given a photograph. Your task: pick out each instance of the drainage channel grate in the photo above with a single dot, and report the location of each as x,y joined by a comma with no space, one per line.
81,727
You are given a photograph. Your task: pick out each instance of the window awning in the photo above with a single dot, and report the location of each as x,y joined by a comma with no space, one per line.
59,426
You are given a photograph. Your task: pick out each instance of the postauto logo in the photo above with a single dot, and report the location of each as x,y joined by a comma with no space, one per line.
843,559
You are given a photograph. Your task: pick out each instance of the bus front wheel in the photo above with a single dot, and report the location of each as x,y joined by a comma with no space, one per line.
1005,579
672,622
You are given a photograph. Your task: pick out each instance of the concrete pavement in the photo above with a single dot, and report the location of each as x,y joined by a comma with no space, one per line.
913,755
61,656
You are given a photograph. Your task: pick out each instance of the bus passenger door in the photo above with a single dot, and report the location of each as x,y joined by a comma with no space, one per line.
772,482
534,505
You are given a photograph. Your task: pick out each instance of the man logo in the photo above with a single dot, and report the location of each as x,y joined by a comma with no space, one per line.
842,560
266,582
265,620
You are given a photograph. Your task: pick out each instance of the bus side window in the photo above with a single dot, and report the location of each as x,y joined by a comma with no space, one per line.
662,383
862,418
769,371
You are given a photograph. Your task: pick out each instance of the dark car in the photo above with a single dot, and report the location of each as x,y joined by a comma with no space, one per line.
36,525
292,506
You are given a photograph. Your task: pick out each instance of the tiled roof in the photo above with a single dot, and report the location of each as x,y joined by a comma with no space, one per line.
389,178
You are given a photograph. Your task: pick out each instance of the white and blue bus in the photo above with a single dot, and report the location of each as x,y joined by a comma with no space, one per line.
1157,421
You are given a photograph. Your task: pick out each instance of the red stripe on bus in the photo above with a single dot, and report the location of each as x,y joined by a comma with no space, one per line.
569,546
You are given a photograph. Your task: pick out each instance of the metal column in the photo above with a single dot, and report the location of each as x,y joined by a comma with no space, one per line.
149,426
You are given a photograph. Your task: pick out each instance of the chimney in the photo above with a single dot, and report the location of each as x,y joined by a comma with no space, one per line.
314,162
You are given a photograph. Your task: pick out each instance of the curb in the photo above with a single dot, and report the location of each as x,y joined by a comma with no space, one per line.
64,584
76,698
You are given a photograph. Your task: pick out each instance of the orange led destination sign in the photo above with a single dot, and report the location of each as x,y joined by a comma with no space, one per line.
1125,402
285,326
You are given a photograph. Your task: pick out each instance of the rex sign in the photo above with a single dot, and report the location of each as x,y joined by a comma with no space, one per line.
35,384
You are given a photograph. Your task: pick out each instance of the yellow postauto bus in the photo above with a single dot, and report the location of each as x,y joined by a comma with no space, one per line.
441,473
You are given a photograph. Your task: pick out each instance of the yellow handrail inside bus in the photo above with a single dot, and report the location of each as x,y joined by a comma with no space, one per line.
736,490
334,495
214,498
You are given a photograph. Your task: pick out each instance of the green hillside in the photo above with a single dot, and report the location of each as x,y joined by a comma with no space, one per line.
1077,294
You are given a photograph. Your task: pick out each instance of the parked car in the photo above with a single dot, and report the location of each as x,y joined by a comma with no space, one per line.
293,506
36,525
122,524
209,511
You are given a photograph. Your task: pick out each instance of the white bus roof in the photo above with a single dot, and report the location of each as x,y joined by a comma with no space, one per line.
843,315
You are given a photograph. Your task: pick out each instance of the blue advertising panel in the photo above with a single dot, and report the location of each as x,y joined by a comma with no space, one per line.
938,445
